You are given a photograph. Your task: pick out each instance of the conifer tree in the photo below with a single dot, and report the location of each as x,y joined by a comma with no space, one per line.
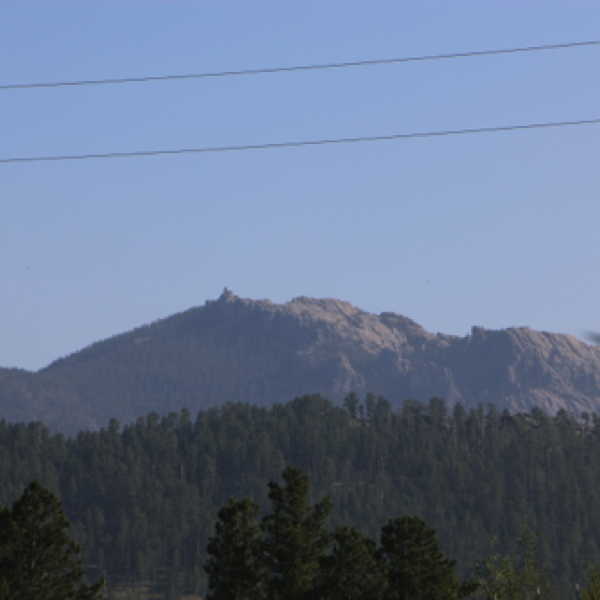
37,557
351,571
416,566
295,537
234,565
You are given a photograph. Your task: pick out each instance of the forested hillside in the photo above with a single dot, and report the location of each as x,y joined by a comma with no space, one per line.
257,352
143,497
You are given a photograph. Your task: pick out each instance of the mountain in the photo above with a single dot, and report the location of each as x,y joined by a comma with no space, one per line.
239,350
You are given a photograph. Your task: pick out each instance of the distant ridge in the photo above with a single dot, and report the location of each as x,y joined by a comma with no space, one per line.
238,350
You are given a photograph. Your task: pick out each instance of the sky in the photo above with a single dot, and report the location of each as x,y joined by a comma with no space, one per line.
492,229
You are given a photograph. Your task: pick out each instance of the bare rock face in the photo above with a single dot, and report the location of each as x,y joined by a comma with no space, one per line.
238,350
515,368
519,368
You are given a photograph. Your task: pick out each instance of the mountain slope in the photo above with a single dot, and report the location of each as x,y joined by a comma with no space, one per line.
240,350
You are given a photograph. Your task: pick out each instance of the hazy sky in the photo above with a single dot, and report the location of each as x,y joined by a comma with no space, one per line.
492,229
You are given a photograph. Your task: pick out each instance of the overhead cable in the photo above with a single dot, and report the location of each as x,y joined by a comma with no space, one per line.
314,67
277,145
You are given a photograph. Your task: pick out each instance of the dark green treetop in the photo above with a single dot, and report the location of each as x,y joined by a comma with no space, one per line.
295,537
37,557
234,564
352,570
416,566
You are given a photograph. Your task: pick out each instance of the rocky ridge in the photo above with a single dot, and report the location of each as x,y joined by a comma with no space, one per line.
516,368
241,350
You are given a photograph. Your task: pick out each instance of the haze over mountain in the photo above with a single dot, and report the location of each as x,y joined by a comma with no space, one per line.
239,350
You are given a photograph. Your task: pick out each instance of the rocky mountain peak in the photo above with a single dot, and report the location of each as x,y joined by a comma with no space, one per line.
244,350
339,321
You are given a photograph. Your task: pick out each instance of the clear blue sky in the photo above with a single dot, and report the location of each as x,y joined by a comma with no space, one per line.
493,229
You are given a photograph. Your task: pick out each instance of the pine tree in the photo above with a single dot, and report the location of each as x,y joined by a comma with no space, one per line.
37,557
234,564
351,403
294,537
351,571
416,566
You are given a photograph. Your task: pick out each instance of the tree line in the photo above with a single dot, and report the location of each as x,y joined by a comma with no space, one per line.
289,554
143,498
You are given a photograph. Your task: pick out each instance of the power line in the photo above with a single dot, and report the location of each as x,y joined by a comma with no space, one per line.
314,67
324,142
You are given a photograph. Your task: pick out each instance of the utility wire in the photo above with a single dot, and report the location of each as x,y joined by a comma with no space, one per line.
324,142
362,63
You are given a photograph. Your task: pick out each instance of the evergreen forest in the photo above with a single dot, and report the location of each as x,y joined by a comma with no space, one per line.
143,498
